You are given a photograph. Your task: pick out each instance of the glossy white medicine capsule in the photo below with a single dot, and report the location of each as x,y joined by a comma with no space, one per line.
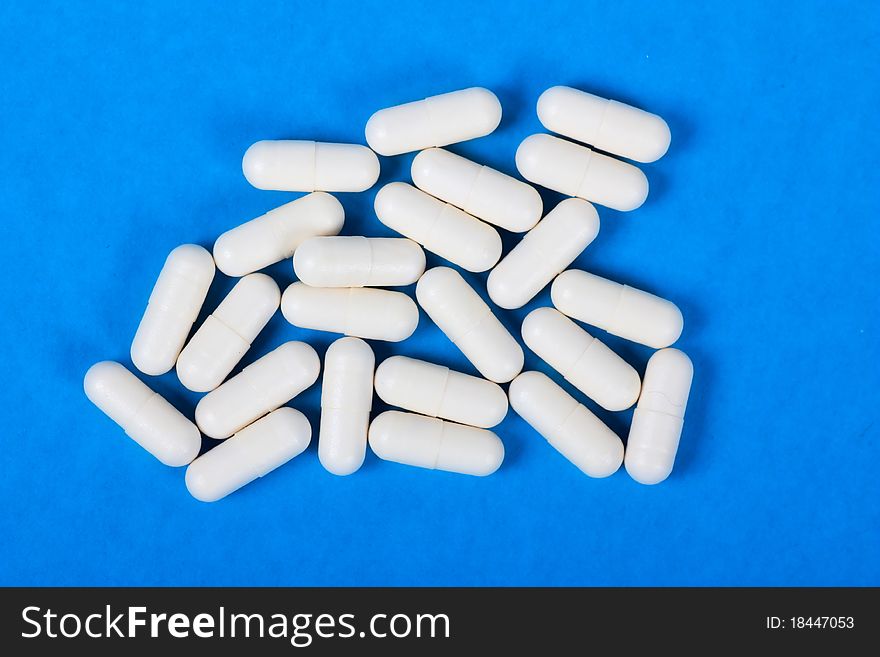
568,426
575,170
310,166
275,235
544,251
428,442
583,360
659,417
253,452
466,320
619,309
173,307
441,228
358,261
435,121
605,124
363,312
438,391
479,190
259,388
144,415
346,400
228,332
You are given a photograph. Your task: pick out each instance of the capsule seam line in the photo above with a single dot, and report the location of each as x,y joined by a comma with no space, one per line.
580,184
474,327
429,234
470,191
137,413
431,123
314,180
612,319
347,312
439,444
669,401
575,361
442,393
230,328
601,123
260,396
566,418
278,233
369,273
646,410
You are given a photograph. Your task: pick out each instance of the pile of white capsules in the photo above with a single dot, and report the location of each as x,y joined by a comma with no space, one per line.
450,211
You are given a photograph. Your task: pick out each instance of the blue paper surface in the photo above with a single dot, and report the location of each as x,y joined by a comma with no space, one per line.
123,127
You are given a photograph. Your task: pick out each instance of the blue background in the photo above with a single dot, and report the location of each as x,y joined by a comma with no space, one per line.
123,127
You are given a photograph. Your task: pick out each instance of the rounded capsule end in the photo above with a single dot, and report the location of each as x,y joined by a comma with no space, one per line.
349,352
381,434
550,102
226,257
529,155
525,389
437,282
491,458
668,328
387,198
363,169
633,189
503,294
535,322
184,448
626,392
608,461
656,139
209,422
199,484
99,379
193,375
192,261
646,471
487,107
145,359
294,302
562,289
423,166
378,131
253,164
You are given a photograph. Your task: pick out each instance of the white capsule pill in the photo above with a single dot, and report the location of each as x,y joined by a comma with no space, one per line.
144,415
583,360
438,391
310,166
435,121
575,170
478,190
358,261
466,320
427,442
346,400
363,312
659,417
275,235
259,388
251,453
604,124
619,309
544,251
173,307
227,333
569,427
440,227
